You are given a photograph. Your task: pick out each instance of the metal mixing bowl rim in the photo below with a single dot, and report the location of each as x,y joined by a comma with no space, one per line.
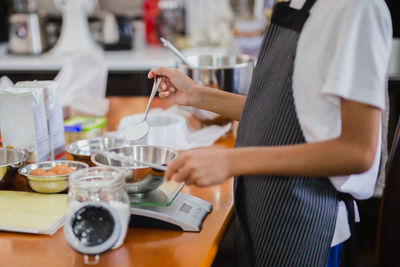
27,175
69,146
24,151
92,158
252,61
80,182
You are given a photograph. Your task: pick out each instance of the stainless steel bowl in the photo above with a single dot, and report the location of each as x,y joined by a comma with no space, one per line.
82,150
49,184
142,179
11,159
228,72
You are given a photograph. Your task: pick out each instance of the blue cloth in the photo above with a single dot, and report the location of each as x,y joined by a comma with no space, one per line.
334,256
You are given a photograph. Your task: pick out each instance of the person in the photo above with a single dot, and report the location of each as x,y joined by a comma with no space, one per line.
309,136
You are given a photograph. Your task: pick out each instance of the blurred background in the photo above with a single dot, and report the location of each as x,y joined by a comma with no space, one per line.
38,37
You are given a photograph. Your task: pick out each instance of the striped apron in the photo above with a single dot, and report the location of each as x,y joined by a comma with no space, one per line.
280,220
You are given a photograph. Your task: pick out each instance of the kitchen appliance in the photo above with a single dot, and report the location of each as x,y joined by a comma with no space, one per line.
168,208
117,33
155,202
185,212
170,22
75,34
25,6
26,35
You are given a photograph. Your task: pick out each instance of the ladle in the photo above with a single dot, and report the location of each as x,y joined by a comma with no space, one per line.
140,130
130,161
178,53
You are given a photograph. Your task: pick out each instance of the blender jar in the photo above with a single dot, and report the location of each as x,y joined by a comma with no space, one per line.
98,210
25,6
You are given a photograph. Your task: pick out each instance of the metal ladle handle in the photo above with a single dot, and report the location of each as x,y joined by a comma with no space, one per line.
156,84
178,53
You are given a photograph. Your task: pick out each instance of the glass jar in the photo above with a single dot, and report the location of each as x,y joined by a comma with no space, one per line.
101,184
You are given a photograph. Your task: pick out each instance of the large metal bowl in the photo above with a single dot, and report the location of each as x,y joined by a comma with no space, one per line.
82,150
11,159
49,184
228,72
142,179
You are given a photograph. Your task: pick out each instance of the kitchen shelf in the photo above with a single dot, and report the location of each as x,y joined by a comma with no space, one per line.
117,61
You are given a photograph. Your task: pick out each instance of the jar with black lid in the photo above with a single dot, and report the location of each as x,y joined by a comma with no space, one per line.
98,210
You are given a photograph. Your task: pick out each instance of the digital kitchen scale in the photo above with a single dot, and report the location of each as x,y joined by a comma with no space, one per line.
184,212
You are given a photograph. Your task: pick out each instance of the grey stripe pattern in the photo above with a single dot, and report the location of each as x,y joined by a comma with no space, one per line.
280,221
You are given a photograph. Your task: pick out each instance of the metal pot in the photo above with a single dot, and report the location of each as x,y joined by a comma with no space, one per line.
394,65
228,72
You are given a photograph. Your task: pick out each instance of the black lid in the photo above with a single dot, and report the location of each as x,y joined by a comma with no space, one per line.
92,228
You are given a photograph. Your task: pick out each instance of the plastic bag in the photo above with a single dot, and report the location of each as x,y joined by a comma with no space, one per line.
83,81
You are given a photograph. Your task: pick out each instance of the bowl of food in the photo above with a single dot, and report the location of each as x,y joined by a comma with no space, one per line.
11,159
140,179
50,176
82,150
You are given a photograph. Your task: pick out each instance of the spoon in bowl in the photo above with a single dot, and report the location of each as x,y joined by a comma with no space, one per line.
138,131
131,161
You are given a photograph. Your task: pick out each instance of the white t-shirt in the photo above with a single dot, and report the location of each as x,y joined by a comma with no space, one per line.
343,52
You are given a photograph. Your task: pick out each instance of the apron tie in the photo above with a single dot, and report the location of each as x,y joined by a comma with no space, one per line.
349,246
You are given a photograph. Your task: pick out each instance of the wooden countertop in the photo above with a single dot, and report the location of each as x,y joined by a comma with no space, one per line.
142,247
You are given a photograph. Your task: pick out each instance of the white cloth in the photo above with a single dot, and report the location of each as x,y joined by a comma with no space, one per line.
343,52
83,81
5,83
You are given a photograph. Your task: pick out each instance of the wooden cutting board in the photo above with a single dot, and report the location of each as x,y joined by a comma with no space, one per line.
32,212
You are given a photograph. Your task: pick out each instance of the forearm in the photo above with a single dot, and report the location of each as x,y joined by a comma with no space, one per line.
327,158
227,104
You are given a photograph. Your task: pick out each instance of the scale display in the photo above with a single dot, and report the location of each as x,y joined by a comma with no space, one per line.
162,196
185,212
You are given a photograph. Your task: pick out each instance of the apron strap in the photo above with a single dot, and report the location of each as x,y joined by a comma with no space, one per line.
308,5
349,246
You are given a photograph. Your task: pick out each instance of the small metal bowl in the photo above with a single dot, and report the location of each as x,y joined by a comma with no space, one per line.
11,159
82,150
49,184
141,179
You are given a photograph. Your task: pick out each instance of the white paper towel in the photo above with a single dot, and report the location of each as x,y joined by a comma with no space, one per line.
5,83
83,81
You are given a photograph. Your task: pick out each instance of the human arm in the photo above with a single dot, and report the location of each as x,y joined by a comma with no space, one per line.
181,90
353,151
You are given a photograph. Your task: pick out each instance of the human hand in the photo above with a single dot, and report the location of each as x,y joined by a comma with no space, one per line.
201,167
176,86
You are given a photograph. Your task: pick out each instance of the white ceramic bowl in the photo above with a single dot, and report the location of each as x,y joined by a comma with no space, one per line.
165,129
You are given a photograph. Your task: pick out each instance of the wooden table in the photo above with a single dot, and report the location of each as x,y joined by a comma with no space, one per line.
142,247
